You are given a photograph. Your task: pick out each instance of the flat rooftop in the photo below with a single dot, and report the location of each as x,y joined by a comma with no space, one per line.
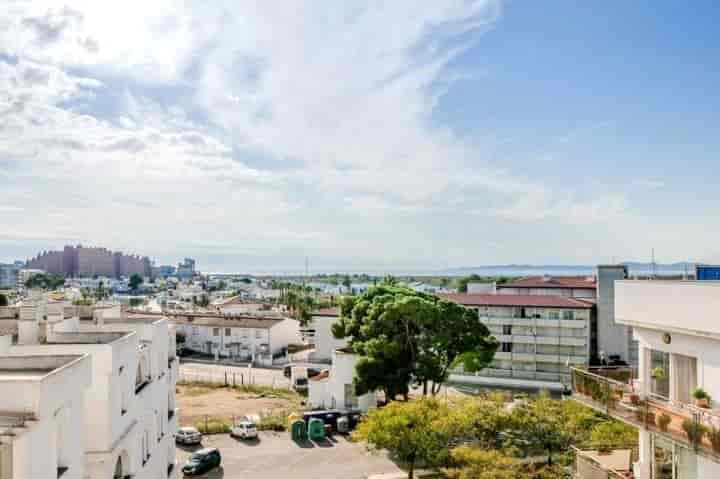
21,367
86,337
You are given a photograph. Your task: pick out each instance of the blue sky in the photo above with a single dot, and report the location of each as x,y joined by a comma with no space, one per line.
366,136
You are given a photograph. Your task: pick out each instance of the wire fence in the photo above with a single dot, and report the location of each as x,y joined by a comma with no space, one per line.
233,377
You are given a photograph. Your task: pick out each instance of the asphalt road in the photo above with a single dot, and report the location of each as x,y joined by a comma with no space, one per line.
276,456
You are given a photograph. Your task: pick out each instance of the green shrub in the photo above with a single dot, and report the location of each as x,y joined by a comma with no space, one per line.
214,426
700,393
694,430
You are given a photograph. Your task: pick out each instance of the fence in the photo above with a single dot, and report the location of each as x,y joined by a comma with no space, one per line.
233,377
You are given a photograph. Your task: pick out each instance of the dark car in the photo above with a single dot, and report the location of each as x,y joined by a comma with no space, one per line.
202,461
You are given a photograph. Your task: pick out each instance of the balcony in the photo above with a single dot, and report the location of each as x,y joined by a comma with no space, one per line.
683,423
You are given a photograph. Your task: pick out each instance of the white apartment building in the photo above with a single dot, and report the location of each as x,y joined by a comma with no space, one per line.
679,350
129,407
42,423
334,389
583,287
318,333
256,339
540,337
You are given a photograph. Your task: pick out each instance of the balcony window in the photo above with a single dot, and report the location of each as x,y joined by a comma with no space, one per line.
660,374
216,331
507,330
506,347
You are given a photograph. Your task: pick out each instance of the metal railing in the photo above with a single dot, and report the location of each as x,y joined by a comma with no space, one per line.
684,423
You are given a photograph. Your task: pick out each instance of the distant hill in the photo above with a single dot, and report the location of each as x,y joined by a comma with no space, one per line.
634,268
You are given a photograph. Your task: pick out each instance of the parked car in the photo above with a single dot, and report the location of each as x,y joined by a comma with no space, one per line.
244,430
188,435
202,461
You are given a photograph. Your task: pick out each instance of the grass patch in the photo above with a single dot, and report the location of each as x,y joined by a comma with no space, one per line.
214,426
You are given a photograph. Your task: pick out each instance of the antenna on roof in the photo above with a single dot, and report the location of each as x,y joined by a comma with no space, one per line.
653,266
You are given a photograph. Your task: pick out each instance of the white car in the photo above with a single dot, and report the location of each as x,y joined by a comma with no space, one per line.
244,430
188,435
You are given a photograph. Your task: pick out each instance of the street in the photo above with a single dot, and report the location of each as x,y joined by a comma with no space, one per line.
276,456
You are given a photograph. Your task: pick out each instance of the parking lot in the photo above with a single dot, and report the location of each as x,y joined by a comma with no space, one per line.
276,456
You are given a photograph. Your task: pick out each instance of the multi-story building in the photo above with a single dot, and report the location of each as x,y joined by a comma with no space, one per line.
679,360
257,339
334,389
611,342
83,261
186,269
129,423
584,287
540,337
9,274
42,420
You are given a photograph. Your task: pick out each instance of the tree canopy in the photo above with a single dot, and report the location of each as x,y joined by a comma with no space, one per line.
403,336
414,432
46,281
135,281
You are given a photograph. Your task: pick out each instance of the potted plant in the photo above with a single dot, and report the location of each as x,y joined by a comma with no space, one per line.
663,420
713,435
635,399
694,430
702,398
658,372
644,415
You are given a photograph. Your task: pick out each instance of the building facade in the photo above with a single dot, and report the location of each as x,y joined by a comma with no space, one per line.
9,274
540,337
255,339
334,389
84,261
129,419
319,334
679,357
42,419
583,287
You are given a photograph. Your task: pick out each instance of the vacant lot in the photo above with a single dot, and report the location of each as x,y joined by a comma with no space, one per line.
198,401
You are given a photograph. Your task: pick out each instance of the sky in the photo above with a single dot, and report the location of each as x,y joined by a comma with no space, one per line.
364,136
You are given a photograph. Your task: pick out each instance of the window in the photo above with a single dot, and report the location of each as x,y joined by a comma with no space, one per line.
554,314
568,314
507,329
216,331
227,331
507,347
258,334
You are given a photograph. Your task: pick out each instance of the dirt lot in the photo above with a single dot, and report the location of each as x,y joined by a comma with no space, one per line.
198,401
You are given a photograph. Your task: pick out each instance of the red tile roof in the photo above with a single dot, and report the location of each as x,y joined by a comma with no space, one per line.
534,300
575,282
332,312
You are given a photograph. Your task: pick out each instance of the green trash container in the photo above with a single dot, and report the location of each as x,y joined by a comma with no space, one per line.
298,431
316,429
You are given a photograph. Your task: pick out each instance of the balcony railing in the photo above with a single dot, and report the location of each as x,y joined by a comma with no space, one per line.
684,423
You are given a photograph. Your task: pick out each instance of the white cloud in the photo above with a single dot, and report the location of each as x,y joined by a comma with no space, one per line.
293,128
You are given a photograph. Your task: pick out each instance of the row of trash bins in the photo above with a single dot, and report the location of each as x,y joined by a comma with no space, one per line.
315,425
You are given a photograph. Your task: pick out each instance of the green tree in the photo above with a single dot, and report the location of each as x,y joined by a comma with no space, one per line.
610,434
476,463
541,425
404,336
3,300
45,281
135,281
347,282
419,431
463,282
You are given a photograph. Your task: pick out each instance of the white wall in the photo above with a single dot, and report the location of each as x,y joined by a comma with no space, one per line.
284,333
672,305
325,342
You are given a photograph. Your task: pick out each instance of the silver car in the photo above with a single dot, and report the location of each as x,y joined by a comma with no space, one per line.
188,435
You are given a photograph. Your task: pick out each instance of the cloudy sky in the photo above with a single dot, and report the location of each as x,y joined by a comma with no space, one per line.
364,135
